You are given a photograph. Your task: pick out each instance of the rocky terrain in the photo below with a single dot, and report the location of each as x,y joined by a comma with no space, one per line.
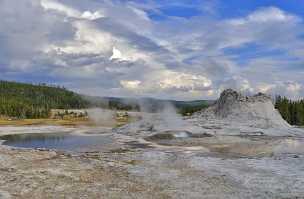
236,114
238,148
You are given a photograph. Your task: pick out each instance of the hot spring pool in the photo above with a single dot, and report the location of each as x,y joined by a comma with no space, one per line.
58,141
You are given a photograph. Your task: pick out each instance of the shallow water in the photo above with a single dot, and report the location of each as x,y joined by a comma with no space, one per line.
59,141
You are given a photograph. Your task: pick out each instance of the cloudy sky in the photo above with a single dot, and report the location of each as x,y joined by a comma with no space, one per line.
173,49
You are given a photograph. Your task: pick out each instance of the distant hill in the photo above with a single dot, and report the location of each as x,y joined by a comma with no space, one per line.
23,100
148,104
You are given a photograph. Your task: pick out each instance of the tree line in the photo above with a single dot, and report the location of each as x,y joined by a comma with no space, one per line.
22,100
291,111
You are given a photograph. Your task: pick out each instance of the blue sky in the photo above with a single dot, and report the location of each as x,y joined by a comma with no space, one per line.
223,8
187,49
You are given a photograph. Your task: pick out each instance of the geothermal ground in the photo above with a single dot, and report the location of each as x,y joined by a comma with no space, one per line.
170,164
208,155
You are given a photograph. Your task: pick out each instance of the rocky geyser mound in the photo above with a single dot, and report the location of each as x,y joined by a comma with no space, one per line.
255,111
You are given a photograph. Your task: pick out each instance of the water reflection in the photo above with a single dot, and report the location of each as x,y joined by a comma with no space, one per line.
31,137
62,141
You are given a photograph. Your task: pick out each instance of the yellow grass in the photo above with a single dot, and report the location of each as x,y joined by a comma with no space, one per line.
64,122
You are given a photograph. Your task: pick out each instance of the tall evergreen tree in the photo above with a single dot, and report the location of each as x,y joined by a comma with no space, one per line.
291,111
35,101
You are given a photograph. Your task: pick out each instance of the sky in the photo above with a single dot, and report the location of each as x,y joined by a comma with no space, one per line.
168,49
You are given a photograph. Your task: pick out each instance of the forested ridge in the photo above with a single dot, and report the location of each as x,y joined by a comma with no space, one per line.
148,104
291,111
23,100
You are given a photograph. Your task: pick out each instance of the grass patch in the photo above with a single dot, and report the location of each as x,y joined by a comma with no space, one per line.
29,122
66,121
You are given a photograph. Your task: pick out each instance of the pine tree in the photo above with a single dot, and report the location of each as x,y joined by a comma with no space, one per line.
291,111
35,101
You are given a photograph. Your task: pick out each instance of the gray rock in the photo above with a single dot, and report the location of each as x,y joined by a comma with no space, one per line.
234,112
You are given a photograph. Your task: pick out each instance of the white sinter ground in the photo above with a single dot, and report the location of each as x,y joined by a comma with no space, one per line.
235,114
232,114
240,147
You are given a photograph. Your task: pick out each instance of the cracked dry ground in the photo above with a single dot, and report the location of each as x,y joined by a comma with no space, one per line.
127,174
44,174
169,172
